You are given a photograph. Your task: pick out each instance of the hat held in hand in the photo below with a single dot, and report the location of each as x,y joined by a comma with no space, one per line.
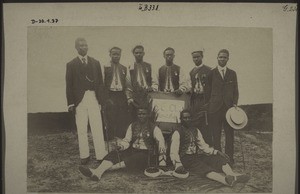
236,118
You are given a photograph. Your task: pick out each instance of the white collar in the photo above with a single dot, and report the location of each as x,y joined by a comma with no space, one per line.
81,57
222,68
199,66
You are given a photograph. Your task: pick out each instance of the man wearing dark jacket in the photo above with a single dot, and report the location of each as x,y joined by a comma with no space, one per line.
223,94
118,87
170,76
198,76
141,71
85,96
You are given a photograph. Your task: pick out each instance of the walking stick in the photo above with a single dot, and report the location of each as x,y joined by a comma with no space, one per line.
243,156
104,126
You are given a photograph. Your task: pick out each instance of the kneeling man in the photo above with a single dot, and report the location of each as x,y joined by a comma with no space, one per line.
133,151
189,151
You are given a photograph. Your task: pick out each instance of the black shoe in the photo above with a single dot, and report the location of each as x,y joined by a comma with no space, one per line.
232,180
85,171
94,178
84,161
243,178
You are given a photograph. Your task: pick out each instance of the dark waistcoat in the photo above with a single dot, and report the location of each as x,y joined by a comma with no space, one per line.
175,71
108,76
186,137
146,69
147,133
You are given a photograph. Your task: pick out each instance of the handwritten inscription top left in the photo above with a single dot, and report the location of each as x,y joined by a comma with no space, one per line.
44,21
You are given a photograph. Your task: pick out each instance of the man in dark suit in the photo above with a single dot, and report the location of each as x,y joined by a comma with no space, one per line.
85,96
198,76
170,77
117,84
141,71
223,94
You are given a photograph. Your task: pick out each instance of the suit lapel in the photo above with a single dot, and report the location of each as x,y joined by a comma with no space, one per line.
226,74
218,74
93,67
79,67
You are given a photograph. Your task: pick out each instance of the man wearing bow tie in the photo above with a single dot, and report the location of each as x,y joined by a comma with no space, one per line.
119,91
198,76
85,96
223,94
170,77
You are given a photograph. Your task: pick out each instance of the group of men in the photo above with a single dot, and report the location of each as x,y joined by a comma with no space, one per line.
213,92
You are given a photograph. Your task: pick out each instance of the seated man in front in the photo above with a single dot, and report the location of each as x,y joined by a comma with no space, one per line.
133,151
189,151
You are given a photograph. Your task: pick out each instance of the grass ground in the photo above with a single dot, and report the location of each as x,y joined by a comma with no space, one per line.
53,161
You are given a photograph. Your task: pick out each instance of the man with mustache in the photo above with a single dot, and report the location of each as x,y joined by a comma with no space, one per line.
85,96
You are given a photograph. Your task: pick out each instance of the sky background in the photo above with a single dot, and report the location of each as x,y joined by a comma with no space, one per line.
50,48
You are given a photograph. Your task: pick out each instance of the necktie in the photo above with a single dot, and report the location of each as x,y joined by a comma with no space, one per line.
84,61
141,76
198,81
168,78
223,74
116,75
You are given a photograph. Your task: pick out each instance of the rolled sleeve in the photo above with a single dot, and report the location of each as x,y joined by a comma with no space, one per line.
174,149
202,145
159,137
127,139
184,82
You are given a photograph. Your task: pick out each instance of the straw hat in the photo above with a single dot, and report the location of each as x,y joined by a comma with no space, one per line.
236,118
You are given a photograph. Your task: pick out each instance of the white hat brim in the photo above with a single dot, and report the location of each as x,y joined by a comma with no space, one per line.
231,123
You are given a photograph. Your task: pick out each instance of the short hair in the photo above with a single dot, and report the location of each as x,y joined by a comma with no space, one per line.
224,51
143,107
169,48
78,40
185,111
115,48
201,52
137,47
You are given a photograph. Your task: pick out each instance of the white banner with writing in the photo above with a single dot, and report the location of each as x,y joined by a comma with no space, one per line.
168,110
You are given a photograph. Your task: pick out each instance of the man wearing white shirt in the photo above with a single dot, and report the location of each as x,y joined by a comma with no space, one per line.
170,76
141,71
85,96
119,92
198,77
190,153
133,150
223,94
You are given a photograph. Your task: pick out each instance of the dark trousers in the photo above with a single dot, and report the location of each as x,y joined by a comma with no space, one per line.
133,158
201,164
217,122
118,116
200,118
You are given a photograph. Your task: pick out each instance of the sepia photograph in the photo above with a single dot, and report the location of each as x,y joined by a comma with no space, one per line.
149,109
149,98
